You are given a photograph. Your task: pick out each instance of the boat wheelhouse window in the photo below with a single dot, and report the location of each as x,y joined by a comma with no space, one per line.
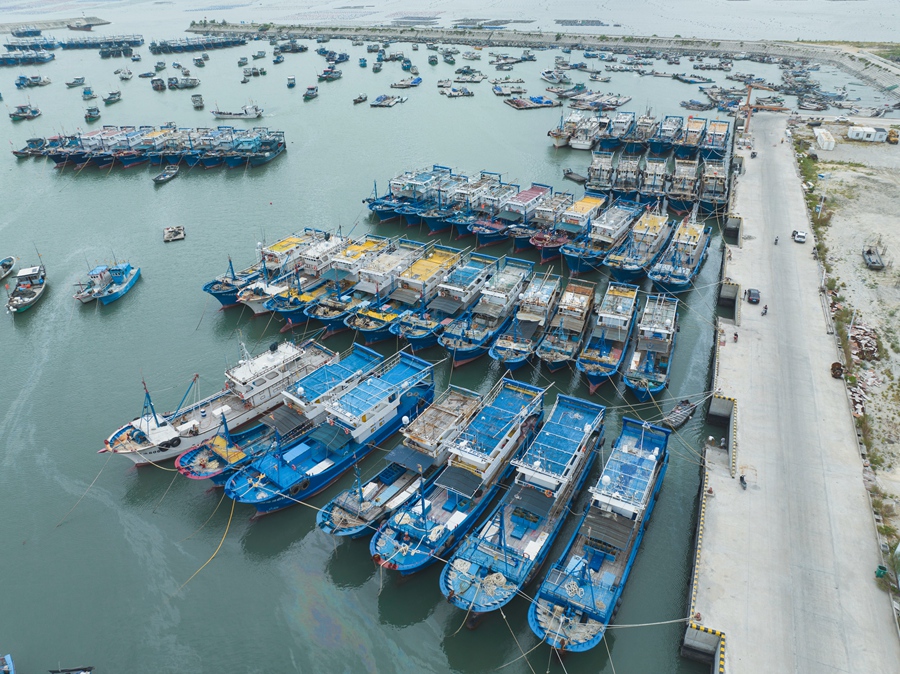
272,375
259,382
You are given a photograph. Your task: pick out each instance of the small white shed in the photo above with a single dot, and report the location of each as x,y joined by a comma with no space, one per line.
824,139
867,133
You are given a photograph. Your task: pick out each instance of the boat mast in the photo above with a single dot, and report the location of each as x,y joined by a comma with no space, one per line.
148,402
190,386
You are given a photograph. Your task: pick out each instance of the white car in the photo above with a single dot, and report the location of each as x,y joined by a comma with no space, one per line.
798,236
844,120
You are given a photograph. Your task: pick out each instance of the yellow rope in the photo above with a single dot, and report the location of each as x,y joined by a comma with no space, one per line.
227,526
207,519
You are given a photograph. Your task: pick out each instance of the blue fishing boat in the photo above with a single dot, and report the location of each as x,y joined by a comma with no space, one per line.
581,593
688,144
223,455
637,140
641,247
6,664
363,63
683,189
471,335
409,468
712,195
715,144
535,309
455,295
292,303
357,421
124,277
656,180
610,334
669,131
493,565
271,146
620,126
680,262
571,223
564,337
427,528
415,286
648,370
604,232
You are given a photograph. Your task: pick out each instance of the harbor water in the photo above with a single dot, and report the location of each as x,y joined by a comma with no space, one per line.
108,579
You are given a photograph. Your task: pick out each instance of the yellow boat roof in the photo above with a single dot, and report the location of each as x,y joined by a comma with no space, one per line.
229,454
355,250
424,269
586,204
286,244
689,232
650,223
619,291
154,134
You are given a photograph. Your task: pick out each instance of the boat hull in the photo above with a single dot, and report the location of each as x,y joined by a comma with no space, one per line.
681,206
121,290
582,263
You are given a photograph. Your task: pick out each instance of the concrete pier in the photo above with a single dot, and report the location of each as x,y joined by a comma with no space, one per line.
786,568
52,24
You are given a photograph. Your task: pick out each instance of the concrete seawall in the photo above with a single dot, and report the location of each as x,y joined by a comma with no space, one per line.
874,70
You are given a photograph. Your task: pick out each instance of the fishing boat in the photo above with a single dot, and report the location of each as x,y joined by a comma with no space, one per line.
376,67
197,101
535,308
604,232
409,468
687,146
428,528
638,139
251,111
112,97
587,132
261,54
573,222
563,339
432,60
311,93
492,566
471,335
455,295
24,112
359,420
682,193
610,334
363,63
669,131
252,388
99,279
291,82
641,247
278,259
278,59
31,284
581,593
304,292
75,82
313,259
174,233
6,664
655,183
158,84
226,453
715,144
680,262
627,181
372,255
414,287
167,174
124,277
243,61
330,74
362,98
649,364
712,196
601,173
555,77
7,264
620,126
92,114
125,74
87,94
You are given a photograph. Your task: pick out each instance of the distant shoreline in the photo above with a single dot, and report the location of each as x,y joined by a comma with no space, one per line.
879,72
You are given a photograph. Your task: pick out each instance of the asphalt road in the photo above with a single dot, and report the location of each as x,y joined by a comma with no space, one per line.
787,568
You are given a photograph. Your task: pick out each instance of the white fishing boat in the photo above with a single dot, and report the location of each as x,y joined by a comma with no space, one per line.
246,112
252,388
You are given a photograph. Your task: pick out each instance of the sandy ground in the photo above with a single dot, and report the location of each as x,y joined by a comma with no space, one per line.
863,192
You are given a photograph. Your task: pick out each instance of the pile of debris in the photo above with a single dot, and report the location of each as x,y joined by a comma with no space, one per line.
858,400
863,343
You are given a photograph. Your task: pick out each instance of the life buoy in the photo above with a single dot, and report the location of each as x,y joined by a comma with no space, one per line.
548,493
330,421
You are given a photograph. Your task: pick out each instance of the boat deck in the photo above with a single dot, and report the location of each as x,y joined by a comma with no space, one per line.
330,375
439,418
423,270
374,390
